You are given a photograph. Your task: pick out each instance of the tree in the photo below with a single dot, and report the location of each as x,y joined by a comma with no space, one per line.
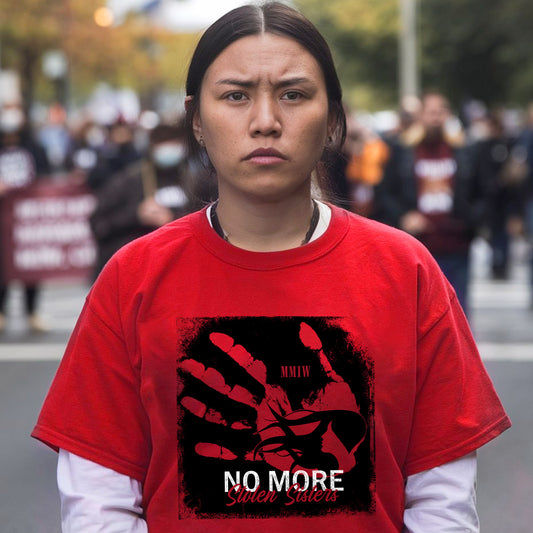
467,48
459,44
363,37
478,49
30,28
133,54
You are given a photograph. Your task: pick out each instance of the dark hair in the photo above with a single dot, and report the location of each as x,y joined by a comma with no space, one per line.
278,19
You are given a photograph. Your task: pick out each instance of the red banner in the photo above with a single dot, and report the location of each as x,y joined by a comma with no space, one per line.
45,232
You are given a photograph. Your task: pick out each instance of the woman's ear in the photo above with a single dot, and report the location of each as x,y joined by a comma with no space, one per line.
188,102
332,128
197,129
196,124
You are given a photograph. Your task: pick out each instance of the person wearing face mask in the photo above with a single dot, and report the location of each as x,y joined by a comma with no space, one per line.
145,196
116,151
22,161
83,158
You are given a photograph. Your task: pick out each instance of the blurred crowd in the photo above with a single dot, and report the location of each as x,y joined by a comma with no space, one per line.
445,178
138,172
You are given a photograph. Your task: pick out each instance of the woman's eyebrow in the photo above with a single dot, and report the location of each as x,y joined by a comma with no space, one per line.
238,83
249,84
294,81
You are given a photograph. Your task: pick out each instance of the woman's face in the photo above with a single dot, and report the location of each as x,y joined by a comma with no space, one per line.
263,117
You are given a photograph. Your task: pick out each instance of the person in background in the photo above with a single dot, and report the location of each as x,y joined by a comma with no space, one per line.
408,114
355,171
525,143
367,156
270,363
501,167
22,161
54,136
430,190
117,153
146,195
88,139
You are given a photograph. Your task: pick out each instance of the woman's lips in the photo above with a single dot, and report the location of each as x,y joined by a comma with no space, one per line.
265,156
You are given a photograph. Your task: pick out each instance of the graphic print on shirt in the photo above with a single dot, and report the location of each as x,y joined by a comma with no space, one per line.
17,167
275,418
435,182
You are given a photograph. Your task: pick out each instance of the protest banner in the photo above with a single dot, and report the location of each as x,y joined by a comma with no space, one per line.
45,232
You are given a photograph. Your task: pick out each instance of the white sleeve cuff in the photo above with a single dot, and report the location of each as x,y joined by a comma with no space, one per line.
443,499
97,499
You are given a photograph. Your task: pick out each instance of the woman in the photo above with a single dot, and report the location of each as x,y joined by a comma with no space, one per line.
270,363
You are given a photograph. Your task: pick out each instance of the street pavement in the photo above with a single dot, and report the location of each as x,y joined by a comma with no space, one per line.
502,322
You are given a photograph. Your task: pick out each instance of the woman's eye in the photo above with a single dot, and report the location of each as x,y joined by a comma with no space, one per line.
236,97
292,95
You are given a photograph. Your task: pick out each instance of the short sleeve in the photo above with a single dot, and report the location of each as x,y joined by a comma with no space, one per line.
456,409
93,408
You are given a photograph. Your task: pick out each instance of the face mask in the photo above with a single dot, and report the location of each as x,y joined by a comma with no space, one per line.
95,137
11,120
167,155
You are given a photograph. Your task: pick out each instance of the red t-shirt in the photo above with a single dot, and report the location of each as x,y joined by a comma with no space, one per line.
272,392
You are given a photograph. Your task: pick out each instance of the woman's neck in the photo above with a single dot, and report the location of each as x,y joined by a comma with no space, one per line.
265,226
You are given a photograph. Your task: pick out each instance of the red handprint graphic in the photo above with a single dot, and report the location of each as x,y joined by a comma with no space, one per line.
323,431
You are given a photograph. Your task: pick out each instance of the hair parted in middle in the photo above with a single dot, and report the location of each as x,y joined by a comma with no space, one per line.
278,19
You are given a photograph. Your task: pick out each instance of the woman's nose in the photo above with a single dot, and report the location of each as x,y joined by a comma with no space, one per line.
265,118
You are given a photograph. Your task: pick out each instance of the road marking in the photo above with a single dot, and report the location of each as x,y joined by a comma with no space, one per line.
492,351
511,295
31,352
